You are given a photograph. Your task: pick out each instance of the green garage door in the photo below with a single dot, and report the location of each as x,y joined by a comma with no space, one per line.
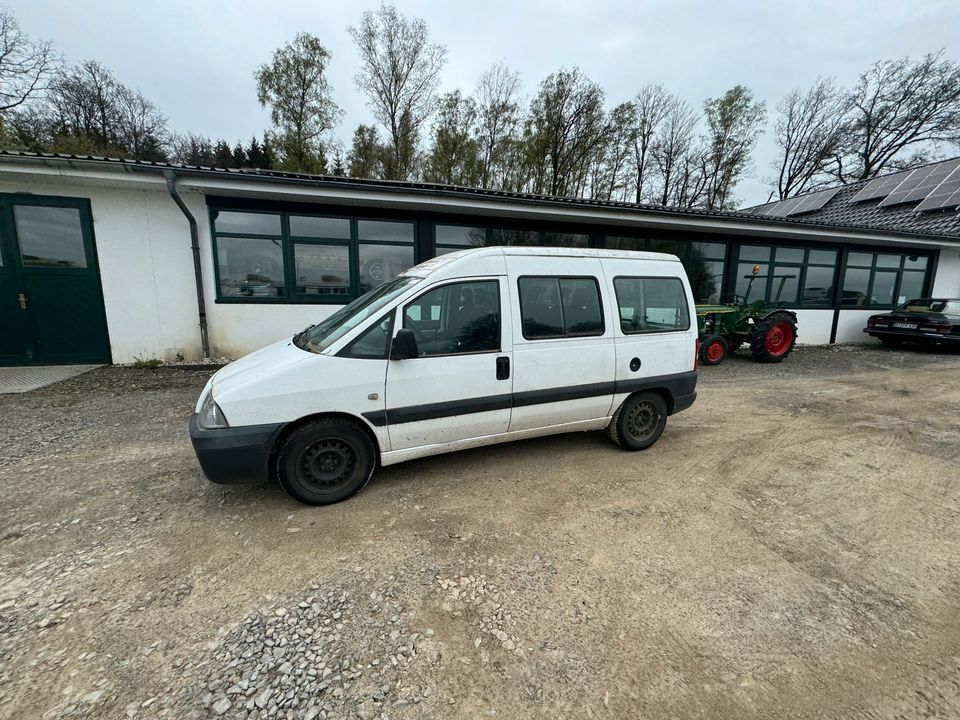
51,302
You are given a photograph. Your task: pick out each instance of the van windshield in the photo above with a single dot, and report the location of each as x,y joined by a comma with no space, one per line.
321,336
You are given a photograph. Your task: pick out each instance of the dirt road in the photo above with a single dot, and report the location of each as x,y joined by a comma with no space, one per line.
790,548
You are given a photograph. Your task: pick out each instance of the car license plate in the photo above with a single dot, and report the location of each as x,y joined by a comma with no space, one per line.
905,326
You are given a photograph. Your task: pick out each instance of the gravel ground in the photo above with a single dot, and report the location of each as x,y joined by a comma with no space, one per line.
788,549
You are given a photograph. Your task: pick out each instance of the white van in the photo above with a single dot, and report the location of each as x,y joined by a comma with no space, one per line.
471,348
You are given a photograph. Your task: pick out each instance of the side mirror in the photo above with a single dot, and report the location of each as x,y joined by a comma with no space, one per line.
404,345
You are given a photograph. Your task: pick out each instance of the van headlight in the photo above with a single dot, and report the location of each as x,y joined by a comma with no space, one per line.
211,416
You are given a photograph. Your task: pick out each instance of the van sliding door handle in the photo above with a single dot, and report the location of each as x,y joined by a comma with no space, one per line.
503,368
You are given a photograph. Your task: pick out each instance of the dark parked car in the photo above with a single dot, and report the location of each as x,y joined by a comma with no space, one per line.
929,321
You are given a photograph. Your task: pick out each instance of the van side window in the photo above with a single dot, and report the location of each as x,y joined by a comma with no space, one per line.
554,307
456,318
649,305
374,343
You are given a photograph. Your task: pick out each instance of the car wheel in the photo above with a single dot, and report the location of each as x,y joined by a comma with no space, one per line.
639,422
326,461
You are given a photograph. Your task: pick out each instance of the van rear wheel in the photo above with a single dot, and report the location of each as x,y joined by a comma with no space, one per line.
639,422
326,461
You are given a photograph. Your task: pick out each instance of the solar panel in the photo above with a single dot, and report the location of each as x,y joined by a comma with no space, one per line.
880,187
813,201
920,183
946,194
785,207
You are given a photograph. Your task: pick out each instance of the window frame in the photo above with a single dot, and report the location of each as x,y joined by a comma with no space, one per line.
565,335
288,243
402,309
616,294
873,269
391,317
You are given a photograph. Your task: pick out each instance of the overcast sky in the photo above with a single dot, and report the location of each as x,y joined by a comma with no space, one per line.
195,58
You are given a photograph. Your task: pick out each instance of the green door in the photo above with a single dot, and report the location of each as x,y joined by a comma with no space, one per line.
51,302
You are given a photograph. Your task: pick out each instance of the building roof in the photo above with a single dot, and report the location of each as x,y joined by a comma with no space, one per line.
842,205
946,224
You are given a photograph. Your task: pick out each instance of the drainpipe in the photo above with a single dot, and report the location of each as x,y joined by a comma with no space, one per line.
171,177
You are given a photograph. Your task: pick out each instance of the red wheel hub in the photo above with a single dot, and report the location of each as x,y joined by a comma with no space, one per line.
779,338
714,351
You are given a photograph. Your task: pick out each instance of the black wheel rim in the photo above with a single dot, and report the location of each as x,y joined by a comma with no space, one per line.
642,420
327,465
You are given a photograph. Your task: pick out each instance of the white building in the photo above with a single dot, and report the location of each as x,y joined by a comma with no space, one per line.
108,260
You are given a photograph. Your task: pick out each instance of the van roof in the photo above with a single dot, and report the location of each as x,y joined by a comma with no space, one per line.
445,261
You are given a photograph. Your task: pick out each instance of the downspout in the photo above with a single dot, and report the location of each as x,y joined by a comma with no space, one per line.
171,177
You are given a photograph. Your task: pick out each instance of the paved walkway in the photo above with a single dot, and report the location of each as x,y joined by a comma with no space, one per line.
25,379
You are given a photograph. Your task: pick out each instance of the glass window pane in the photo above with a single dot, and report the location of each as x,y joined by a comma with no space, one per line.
791,255
860,259
651,305
748,286
379,263
540,310
856,282
515,237
889,261
375,342
461,235
625,243
50,236
915,262
705,278
386,231
458,318
818,286
911,287
791,285
250,267
680,248
883,285
553,239
445,250
754,253
581,306
227,221
322,269
320,227
822,257
711,251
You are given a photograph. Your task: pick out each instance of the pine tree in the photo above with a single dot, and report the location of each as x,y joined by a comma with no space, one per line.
239,156
222,155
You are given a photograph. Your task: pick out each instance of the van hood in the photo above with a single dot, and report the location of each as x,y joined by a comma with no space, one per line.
254,367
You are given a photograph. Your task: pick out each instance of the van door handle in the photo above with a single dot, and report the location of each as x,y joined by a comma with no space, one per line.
503,368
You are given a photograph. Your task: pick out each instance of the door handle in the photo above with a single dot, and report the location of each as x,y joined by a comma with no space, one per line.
22,299
503,368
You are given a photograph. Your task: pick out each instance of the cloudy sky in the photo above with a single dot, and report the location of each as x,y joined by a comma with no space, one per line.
195,58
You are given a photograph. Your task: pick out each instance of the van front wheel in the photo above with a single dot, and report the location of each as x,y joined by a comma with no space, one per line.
639,422
326,461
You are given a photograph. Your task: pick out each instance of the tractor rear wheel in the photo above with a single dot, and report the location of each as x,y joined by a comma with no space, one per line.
773,338
713,350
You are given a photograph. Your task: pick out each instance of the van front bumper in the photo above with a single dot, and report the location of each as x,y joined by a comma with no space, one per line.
234,455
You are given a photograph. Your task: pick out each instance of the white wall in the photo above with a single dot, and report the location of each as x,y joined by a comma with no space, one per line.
146,269
813,326
947,281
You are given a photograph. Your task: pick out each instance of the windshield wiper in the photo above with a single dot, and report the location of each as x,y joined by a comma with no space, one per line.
300,335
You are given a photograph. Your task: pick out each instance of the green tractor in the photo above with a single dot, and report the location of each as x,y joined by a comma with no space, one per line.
770,330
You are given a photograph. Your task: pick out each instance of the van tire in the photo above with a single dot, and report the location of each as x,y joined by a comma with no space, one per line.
312,455
649,409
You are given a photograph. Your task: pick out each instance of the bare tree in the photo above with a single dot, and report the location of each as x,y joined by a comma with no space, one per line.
899,107
498,119
294,85
26,66
141,129
808,132
651,106
672,145
611,174
400,74
734,122
454,157
566,127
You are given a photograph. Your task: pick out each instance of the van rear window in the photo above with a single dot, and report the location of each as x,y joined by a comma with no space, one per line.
649,305
555,307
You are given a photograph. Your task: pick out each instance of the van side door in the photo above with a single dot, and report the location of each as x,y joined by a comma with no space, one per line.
656,326
460,385
562,341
